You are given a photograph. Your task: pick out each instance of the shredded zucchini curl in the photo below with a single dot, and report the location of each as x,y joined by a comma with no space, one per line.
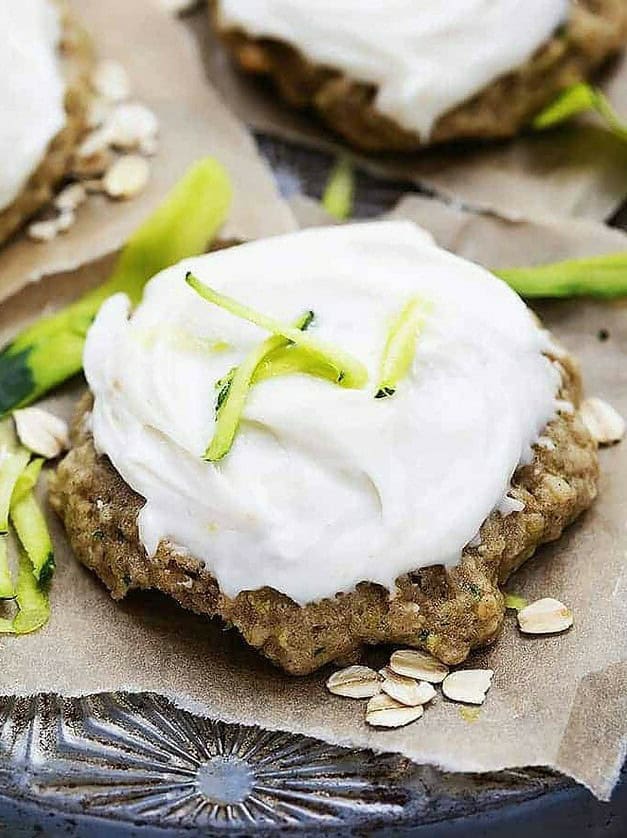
400,347
19,508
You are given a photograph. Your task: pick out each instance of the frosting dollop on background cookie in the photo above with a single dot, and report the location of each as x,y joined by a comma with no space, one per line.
425,57
32,90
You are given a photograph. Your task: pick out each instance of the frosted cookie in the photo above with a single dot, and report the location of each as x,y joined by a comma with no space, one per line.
398,75
358,444
44,67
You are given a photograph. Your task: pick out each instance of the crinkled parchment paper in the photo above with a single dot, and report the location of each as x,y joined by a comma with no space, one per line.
162,62
578,170
555,701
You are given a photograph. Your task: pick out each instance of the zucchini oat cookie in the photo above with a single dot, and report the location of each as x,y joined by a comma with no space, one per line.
330,485
384,99
447,612
75,64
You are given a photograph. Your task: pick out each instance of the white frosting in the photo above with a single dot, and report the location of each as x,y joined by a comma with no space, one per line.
324,486
425,56
31,90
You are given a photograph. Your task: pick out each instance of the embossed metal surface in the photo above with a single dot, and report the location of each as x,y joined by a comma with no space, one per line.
140,759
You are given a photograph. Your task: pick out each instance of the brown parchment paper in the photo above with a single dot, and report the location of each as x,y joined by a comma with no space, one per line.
166,75
555,701
579,170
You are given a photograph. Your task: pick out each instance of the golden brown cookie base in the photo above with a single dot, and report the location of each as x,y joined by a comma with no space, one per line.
39,189
448,612
596,29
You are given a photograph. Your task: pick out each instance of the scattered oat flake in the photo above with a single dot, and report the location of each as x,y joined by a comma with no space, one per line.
127,177
545,616
401,689
418,665
43,231
468,686
383,711
355,682
95,142
65,220
111,81
129,125
49,229
406,690
71,197
41,432
605,424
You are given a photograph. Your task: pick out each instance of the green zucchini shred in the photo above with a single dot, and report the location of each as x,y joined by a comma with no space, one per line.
515,602
32,599
400,347
294,359
603,277
234,389
350,372
27,480
7,590
32,530
223,387
36,559
578,99
339,192
13,460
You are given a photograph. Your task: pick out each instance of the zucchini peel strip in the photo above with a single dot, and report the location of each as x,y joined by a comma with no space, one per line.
13,460
32,600
603,277
340,190
350,372
514,602
36,557
400,347
578,99
30,524
233,391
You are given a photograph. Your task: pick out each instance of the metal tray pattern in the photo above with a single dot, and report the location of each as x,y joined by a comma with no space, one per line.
139,759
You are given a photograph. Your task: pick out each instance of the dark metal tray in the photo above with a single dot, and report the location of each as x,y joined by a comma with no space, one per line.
131,765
